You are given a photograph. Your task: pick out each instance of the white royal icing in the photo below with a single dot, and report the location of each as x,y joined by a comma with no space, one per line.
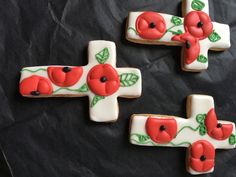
106,110
205,44
196,104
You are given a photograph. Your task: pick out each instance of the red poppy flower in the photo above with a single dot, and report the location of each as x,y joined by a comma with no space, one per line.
217,130
150,25
103,80
161,130
35,86
191,46
198,24
202,156
65,76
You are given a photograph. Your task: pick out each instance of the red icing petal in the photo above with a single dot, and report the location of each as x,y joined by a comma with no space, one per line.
153,128
197,151
191,54
227,130
191,19
35,83
216,133
200,166
163,137
208,29
211,120
44,87
110,72
220,133
65,79
161,26
177,38
97,87
103,88
204,17
192,51
196,164
57,76
143,25
96,72
73,76
111,87
195,31
208,165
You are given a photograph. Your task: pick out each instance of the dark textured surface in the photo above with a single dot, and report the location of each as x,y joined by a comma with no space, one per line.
54,137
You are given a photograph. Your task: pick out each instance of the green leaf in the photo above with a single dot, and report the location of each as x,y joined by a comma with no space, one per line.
83,88
142,138
128,79
176,20
197,5
177,32
96,99
202,59
102,56
202,130
201,118
214,37
232,139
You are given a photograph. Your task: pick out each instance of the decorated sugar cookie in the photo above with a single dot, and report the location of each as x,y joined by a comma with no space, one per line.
196,32
202,133
100,80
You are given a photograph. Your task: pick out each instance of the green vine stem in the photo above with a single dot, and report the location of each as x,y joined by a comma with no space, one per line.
34,71
155,144
189,127
169,29
171,143
72,90
132,29
82,89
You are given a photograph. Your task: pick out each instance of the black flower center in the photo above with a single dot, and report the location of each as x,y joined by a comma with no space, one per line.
66,69
188,45
35,93
162,128
152,25
202,158
103,79
199,24
219,125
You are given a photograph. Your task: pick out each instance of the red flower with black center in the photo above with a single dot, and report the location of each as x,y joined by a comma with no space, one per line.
103,80
198,24
202,156
191,46
65,76
161,130
150,25
35,86
215,129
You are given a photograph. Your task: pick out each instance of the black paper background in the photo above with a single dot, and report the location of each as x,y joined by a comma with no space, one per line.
54,137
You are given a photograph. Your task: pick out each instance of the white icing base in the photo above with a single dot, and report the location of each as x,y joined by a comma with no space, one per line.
107,109
196,104
222,29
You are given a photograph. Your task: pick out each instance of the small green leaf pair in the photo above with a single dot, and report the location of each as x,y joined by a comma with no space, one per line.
142,138
200,118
